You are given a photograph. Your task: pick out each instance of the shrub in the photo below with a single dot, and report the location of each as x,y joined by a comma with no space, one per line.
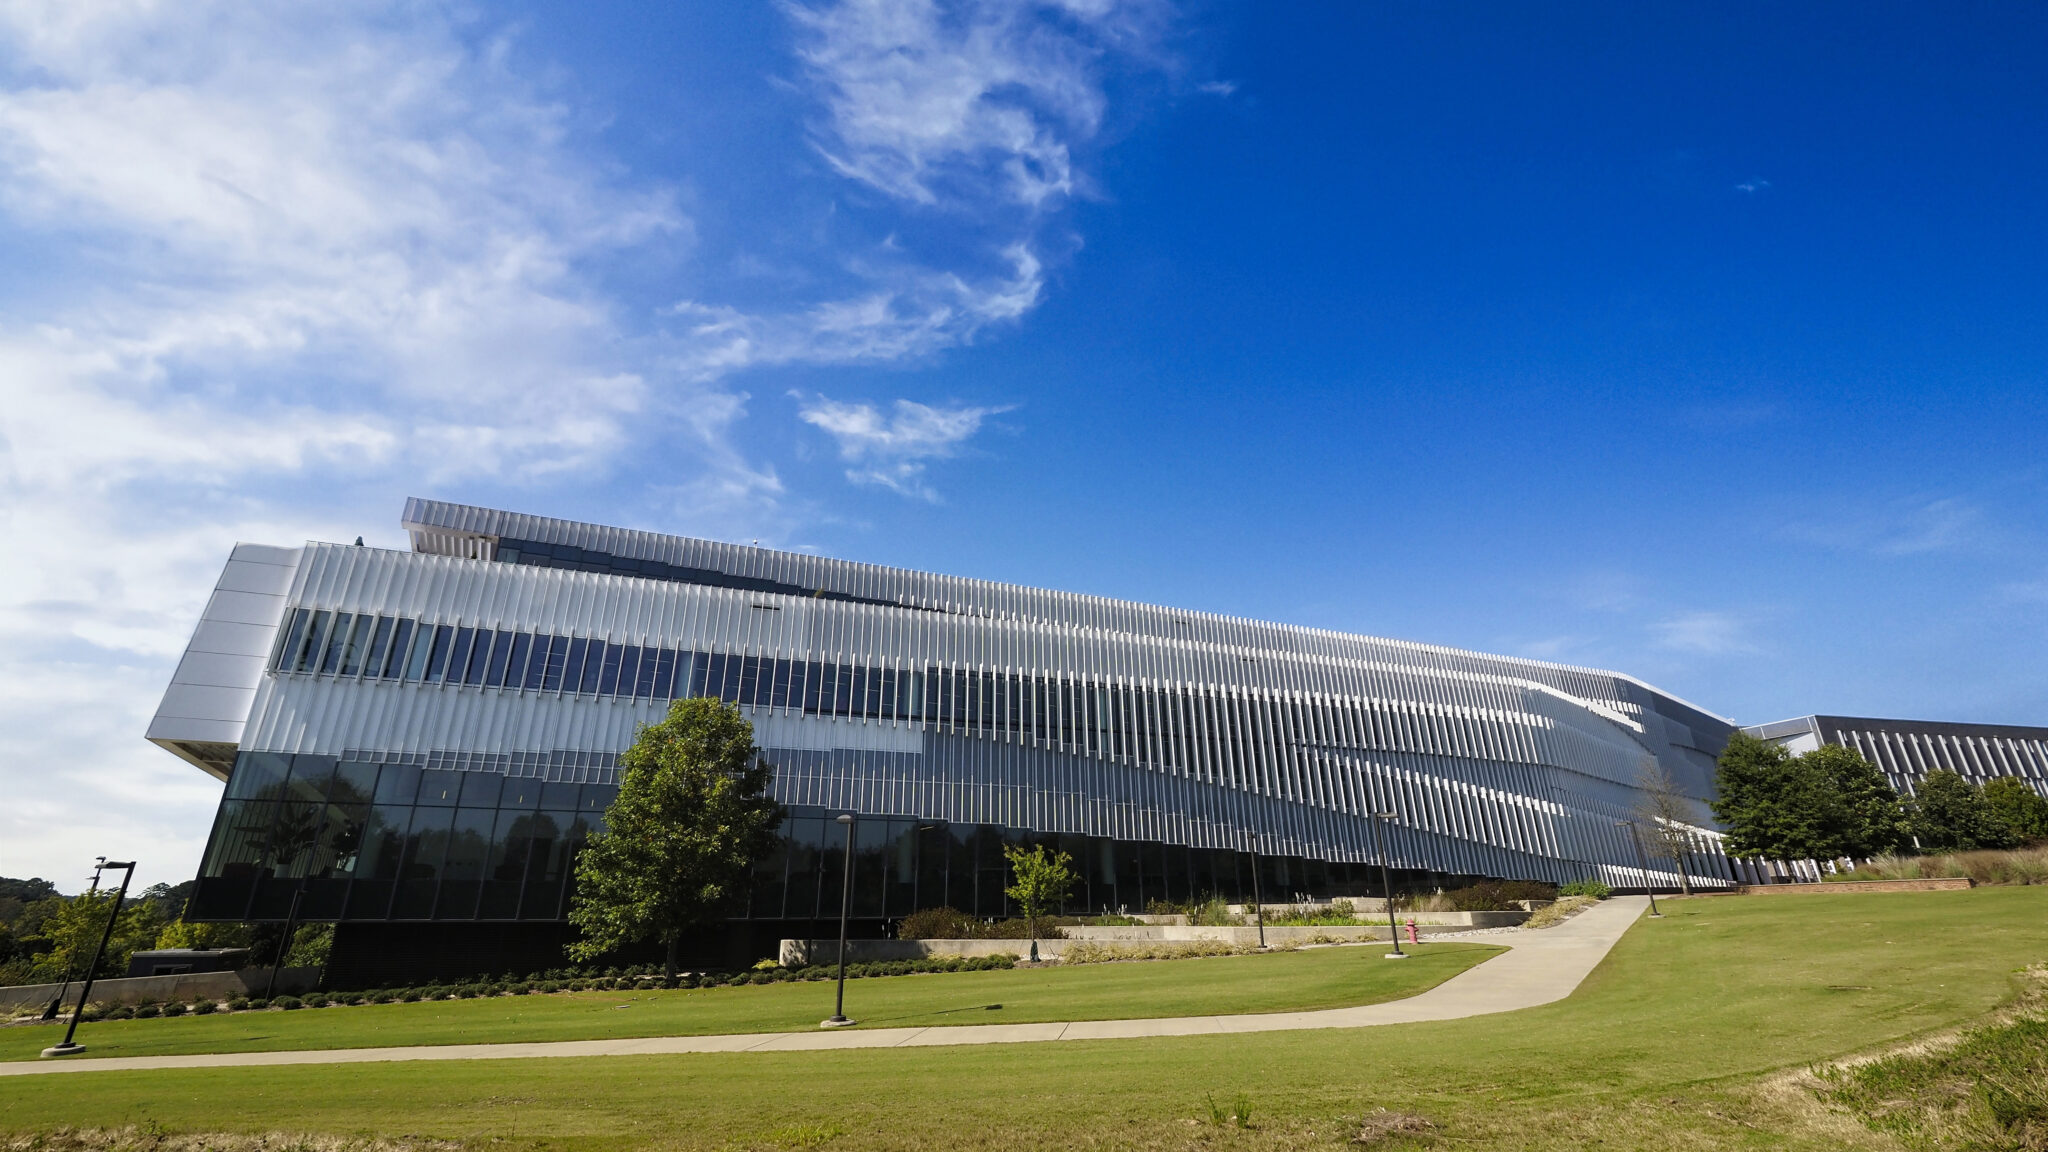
952,924
205,1008
175,1008
289,1003
1593,888
1090,952
2022,866
1485,896
1560,910
146,1011
381,996
117,1012
409,996
937,924
316,1000
238,1003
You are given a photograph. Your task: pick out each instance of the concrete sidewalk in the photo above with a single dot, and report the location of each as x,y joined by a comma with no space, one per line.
1540,967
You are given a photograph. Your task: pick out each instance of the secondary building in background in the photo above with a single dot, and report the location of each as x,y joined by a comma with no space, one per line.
1907,750
414,743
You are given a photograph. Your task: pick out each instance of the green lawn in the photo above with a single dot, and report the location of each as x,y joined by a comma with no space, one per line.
1278,982
1673,1043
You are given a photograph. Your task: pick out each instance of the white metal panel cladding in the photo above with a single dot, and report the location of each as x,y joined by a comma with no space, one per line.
1906,750
1020,707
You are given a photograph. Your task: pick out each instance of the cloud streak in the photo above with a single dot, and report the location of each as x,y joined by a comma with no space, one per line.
892,451
291,259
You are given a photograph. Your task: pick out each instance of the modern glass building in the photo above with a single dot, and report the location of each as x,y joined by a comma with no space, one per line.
414,743
1907,750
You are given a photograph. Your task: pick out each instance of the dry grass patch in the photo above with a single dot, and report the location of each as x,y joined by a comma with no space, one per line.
2020,866
1980,1089
1560,910
154,1138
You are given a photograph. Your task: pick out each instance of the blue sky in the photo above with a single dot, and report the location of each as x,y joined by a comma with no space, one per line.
1699,342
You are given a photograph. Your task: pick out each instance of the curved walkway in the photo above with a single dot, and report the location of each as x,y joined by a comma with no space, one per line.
1538,968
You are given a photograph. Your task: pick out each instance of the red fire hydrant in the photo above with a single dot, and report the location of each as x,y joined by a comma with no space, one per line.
1412,939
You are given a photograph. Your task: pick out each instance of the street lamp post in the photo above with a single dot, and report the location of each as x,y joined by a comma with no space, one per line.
839,1019
57,1002
66,1047
1642,864
1387,884
1258,901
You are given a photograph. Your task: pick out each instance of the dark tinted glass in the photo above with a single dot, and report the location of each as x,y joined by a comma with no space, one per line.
337,641
440,788
643,683
437,660
520,793
598,797
664,674
398,784
259,776
480,789
560,797
608,676
572,669
394,658
458,655
494,668
310,776
355,782
294,640
380,647
545,671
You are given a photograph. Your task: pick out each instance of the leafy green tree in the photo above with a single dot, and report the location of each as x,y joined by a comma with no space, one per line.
184,934
1041,881
1823,805
70,930
677,852
1864,816
2022,809
1950,815
1772,805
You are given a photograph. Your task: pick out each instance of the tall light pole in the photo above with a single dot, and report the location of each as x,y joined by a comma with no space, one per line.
1258,901
66,1047
839,1019
57,1003
1387,884
1642,864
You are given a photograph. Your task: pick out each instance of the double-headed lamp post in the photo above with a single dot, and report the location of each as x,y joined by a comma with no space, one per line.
838,1019
1387,883
1642,864
66,1047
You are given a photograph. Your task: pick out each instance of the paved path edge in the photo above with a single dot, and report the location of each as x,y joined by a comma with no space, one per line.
1539,968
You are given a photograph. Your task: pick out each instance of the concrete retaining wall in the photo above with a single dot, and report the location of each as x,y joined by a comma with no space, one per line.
792,952
1942,884
185,986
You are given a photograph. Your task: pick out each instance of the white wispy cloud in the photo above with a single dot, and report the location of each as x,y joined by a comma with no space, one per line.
1218,87
1911,527
893,450
1705,633
926,102
290,260
1752,187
